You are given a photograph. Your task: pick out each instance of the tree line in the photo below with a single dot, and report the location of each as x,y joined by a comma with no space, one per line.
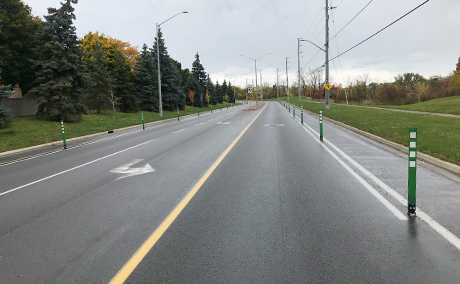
69,75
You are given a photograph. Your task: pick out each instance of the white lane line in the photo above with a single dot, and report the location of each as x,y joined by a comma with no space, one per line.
372,190
211,119
74,147
74,168
449,236
198,124
178,131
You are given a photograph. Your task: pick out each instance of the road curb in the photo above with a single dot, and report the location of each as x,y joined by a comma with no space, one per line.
453,168
56,143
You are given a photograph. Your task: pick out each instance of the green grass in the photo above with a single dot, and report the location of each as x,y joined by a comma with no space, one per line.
437,136
28,131
443,105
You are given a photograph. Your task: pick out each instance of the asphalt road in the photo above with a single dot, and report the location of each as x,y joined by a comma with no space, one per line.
277,207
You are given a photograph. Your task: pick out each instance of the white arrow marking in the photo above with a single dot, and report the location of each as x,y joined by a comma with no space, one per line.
127,171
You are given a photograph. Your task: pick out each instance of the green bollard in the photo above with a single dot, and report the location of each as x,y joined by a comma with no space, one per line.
220,106
293,111
198,111
143,125
321,125
227,105
63,134
412,182
178,119
301,115
289,108
211,108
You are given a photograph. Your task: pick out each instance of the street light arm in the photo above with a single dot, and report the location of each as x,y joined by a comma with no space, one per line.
263,56
247,57
313,44
171,18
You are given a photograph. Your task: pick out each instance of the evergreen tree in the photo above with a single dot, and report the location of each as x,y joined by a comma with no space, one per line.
123,79
99,89
223,90
18,43
218,89
61,74
211,91
230,93
5,92
200,75
193,85
145,83
172,95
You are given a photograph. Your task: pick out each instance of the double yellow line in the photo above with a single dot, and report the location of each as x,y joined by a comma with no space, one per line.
134,261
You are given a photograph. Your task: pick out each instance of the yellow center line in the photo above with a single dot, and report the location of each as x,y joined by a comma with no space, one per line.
134,261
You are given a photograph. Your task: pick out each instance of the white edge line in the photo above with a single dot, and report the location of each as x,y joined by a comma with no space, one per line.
74,168
446,234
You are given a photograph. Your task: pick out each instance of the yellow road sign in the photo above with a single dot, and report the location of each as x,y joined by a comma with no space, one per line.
328,86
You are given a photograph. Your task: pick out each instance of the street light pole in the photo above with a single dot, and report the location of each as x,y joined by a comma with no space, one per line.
327,55
277,90
255,70
160,103
298,65
287,79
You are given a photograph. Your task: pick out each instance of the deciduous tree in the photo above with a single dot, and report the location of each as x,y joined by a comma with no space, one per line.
18,43
5,92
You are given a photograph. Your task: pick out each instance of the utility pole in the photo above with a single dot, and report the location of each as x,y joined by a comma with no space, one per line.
298,65
287,79
327,55
277,90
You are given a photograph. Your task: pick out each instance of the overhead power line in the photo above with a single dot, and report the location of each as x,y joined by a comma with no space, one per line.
352,19
380,30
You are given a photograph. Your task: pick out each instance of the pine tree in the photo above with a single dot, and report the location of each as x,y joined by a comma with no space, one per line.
123,79
218,89
5,92
200,75
61,74
172,95
211,90
145,82
231,93
224,90
99,89
193,85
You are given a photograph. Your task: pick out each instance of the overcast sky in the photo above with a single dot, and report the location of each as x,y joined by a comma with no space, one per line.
424,42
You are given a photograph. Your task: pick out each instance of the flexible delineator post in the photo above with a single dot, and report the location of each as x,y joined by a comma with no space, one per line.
63,134
321,125
412,181
143,125
301,114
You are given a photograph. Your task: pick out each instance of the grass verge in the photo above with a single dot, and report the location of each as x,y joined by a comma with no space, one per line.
443,105
28,131
437,136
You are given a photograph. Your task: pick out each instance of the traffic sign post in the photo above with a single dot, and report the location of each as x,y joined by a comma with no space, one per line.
321,125
412,180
